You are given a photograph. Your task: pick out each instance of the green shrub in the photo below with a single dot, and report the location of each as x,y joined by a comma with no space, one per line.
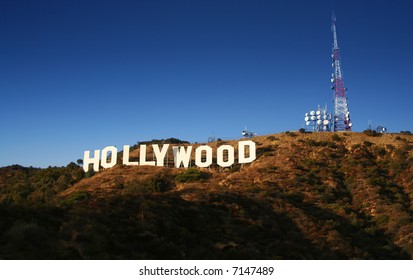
367,143
90,173
380,151
265,151
160,182
27,234
314,143
191,175
336,138
291,134
408,132
373,133
75,197
171,140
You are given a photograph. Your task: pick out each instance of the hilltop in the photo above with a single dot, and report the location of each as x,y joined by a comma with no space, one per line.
306,196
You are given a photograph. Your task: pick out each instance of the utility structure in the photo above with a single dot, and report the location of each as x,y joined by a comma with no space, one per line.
341,113
319,120
248,134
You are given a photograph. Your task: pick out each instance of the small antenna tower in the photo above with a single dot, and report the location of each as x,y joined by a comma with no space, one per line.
248,134
212,138
341,112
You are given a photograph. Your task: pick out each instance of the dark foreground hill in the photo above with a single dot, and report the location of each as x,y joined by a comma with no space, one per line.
307,196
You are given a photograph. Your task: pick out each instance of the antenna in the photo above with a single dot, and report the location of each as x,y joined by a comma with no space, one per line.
212,138
341,113
248,134
319,120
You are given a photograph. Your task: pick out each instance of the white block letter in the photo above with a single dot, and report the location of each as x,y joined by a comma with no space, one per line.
114,157
198,156
142,156
126,161
87,160
241,151
182,156
160,154
220,156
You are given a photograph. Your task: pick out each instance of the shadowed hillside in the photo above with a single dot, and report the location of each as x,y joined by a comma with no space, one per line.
306,196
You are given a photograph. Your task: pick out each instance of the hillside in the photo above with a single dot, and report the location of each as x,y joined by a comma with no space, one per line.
306,196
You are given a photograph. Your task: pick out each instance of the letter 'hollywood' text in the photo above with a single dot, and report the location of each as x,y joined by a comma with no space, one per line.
225,155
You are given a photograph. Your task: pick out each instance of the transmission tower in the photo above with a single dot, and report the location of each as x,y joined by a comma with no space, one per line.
341,112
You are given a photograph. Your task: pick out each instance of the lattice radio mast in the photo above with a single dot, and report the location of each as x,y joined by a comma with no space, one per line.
341,112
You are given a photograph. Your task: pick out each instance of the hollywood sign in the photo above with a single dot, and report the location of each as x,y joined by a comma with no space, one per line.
225,155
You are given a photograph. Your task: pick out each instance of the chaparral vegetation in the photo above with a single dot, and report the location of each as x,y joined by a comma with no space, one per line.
306,196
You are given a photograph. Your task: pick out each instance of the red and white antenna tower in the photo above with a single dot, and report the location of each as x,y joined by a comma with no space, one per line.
341,112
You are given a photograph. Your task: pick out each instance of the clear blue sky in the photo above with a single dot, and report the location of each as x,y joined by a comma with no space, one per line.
80,75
